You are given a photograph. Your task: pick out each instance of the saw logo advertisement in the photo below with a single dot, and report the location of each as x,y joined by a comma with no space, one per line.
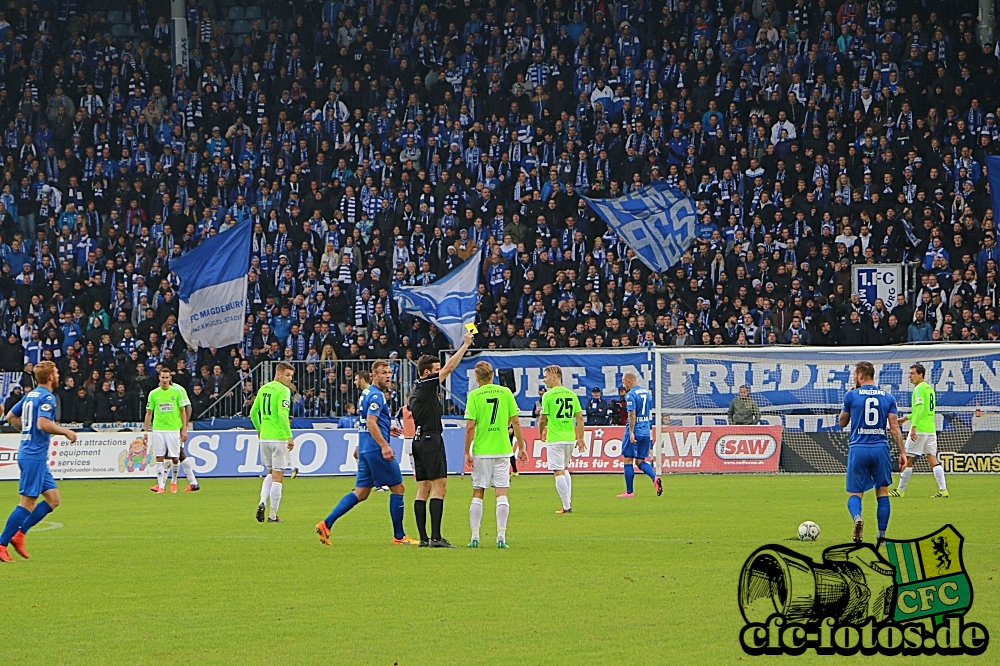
913,601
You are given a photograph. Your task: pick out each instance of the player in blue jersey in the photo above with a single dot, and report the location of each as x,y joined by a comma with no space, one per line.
35,417
637,441
871,413
377,464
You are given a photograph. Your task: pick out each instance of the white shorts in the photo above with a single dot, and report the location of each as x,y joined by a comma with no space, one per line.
488,472
274,454
165,443
560,454
924,445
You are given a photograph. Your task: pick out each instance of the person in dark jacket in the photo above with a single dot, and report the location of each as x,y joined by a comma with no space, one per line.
16,393
81,409
853,333
895,330
619,414
598,409
12,354
102,404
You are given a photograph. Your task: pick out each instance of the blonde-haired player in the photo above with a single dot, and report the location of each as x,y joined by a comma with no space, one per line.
560,426
488,411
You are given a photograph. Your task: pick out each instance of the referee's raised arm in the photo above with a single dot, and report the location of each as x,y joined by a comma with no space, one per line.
456,358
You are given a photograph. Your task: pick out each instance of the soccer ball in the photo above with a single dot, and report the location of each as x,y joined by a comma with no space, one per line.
808,531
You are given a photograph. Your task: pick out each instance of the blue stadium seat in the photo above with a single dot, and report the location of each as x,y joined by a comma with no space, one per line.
240,27
224,24
235,13
127,17
253,12
121,30
115,16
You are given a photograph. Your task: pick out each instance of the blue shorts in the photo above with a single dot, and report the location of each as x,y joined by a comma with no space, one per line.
639,449
374,470
35,477
868,467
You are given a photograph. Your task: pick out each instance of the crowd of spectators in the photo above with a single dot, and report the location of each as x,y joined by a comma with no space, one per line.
379,144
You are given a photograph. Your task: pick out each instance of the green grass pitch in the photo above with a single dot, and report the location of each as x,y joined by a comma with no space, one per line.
136,578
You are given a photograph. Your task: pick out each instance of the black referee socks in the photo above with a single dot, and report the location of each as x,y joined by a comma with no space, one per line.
437,510
420,513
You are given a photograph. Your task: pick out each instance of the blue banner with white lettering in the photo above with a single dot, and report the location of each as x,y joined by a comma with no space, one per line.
215,453
582,371
797,378
317,452
658,222
699,380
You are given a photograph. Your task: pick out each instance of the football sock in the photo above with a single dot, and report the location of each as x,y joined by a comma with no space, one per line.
629,477
346,503
396,512
42,509
647,469
904,478
173,471
938,476
420,514
188,466
161,475
437,511
882,514
265,488
854,506
503,511
563,490
17,516
569,484
476,516
275,498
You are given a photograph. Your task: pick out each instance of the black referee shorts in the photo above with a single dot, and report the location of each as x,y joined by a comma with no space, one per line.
429,459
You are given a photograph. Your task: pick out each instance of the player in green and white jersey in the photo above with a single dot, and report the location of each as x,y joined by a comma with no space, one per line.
922,440
270,416
560,426
168,410
488,411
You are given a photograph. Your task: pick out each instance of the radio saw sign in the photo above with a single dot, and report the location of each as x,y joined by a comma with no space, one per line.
708,449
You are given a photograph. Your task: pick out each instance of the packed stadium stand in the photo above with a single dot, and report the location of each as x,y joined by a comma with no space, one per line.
379,144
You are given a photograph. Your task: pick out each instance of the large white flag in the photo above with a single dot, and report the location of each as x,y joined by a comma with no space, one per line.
448,303
213,290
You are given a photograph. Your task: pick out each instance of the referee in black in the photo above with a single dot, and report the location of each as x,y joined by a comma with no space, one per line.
430,463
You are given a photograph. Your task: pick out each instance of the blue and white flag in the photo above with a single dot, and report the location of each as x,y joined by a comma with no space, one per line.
993,178
213,289
657,222
448,303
